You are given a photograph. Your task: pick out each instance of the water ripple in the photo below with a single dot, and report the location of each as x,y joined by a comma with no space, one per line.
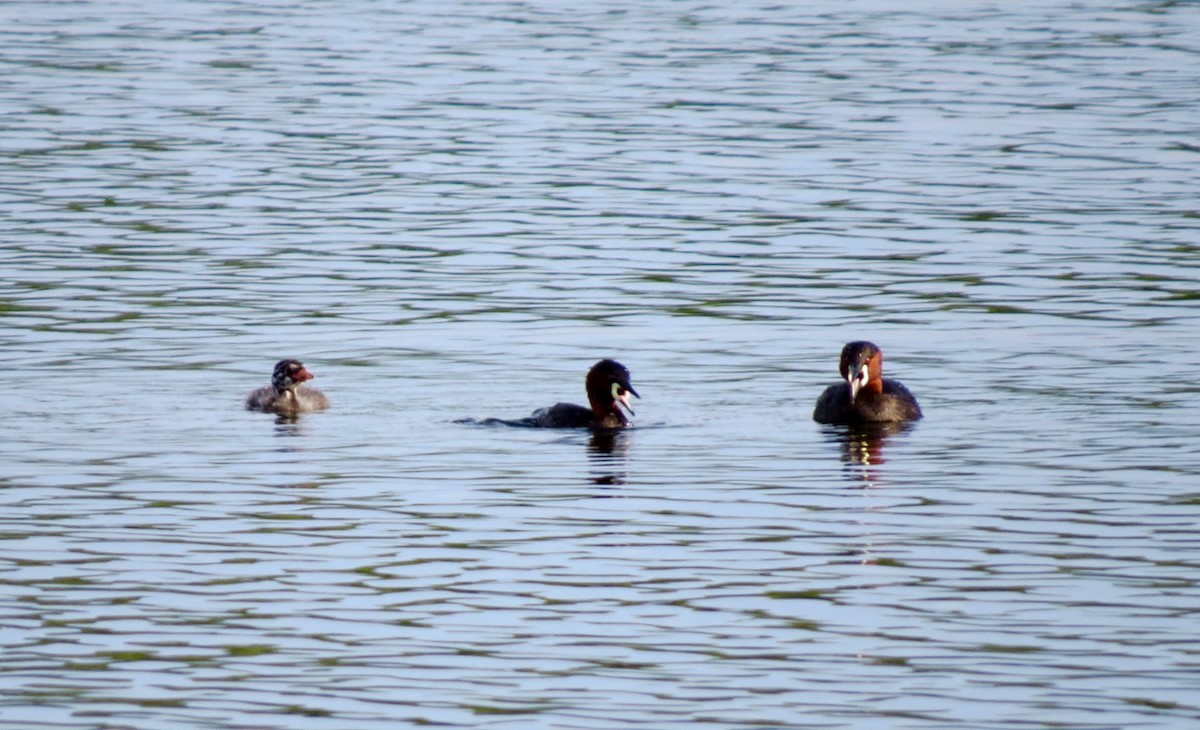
449,212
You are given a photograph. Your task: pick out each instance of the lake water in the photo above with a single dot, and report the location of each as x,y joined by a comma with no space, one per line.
449,211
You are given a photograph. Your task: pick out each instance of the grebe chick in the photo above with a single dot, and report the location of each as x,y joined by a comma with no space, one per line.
608,390
286,394
866,396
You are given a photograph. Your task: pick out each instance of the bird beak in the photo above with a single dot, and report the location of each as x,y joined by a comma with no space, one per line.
621,395
303,375
857,380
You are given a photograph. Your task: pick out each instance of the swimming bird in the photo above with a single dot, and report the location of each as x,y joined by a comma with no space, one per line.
285,395
608,390
866,396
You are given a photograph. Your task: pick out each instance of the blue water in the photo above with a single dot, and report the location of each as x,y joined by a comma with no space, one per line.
450,211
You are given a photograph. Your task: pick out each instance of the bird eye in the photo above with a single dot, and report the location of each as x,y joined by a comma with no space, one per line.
620,390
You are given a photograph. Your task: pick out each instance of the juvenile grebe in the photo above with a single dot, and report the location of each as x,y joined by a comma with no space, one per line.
285,395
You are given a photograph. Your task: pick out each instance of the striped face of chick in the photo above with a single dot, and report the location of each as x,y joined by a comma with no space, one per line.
288,374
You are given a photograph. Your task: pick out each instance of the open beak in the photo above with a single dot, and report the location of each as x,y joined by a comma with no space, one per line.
621,396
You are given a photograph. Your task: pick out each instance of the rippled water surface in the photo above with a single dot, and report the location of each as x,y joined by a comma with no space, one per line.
449,211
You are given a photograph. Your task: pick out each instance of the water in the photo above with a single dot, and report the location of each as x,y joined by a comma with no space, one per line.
451,210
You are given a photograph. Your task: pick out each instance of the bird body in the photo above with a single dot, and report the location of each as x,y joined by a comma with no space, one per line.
286,395
608,390
865,396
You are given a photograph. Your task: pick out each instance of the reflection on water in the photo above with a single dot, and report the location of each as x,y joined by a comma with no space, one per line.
608,454
607,449
864,444
449,206
288,425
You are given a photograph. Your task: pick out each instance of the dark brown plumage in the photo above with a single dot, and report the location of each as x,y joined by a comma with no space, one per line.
866,396
608,390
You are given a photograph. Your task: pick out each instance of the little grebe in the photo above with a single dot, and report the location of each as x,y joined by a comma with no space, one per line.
285,395
866,396
607,388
